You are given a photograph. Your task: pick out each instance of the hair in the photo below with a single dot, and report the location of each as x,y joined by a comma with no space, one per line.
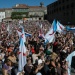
64,71
12,53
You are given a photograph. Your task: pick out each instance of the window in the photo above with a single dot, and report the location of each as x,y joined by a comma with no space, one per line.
60,9
72,12
59,2
64,14
2,16
72,5
62,1
48,12
67,13
67,7
63,8
52,11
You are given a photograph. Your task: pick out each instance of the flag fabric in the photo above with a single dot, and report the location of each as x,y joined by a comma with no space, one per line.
41,34
69,60
54,24
70,29
19,33
60,27
23,34
22,54
50,36
27,34
8,28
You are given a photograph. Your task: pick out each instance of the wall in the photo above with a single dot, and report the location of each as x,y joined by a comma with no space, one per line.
62,10
2,16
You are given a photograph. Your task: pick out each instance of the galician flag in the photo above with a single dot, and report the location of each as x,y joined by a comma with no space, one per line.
60,27
69,60
50,36
8,28
22,54
41,33
23,35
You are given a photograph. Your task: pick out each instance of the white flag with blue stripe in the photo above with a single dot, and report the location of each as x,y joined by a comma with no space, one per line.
69,60
50,36
22,54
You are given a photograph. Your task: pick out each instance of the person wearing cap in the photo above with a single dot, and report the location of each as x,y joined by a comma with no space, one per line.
38,74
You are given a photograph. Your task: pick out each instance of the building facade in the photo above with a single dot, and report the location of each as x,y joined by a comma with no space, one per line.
2,14
23,11
34,12
37,12
62,10
8,12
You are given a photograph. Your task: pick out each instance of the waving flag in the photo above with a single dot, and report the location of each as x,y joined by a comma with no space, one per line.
69,60
50,36
22,54
60,27
23,35
70,29
41,34
19,33
27,34
8,28
54,24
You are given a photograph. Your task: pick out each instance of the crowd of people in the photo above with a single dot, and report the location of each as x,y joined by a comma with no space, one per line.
42,59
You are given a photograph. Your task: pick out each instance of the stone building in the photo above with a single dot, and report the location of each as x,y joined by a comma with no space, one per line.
62,10
2,14
33,12
23,11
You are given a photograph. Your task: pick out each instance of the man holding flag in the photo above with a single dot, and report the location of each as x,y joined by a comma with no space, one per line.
22,52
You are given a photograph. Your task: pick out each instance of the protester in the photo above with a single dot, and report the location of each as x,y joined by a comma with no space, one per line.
41,58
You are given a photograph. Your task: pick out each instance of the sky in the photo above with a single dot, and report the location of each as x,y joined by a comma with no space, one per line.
10,3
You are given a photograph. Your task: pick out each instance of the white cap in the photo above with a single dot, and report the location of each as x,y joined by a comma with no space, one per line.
39,61
19,73
38,74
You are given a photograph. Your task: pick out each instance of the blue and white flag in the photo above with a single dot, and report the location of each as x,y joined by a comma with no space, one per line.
41,33
50,36
22,54
69,60
60,27
27,34
8,28
70,29
23,35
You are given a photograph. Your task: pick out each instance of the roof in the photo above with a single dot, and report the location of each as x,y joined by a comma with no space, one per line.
2,10
36,7
8,8
20,6
7,18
